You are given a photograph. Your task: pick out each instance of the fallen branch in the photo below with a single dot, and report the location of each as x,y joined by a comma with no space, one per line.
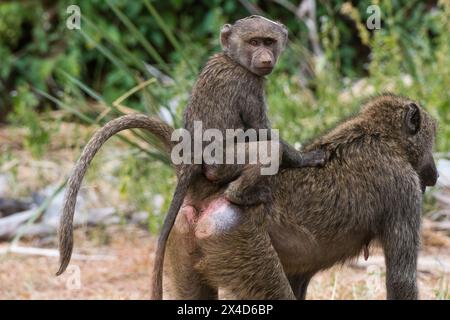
440,225
427,263
10,206
439,214
38,213
442,197
10,224
51,253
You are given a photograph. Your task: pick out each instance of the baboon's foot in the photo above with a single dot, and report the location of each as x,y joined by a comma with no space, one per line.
216,218
315,158
250,197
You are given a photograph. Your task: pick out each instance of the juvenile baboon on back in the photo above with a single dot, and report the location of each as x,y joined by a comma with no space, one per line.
228,94
379,164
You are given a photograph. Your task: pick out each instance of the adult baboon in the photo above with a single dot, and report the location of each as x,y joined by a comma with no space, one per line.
370,189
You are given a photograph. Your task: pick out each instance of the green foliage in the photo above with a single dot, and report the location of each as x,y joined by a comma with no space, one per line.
404,60
139,184
37,135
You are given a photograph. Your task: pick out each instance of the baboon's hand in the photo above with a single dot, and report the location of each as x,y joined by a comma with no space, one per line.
315,158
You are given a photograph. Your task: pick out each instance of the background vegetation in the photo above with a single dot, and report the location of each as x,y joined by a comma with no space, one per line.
144,56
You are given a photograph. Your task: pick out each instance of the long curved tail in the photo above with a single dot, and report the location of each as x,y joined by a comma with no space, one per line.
154,125
185,178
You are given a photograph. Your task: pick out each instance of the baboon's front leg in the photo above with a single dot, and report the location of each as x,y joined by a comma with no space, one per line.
299,284
400,243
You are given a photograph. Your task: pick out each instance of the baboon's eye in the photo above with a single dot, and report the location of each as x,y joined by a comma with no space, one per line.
268,42
254,42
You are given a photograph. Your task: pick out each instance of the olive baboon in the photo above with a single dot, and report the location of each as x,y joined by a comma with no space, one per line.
228,94
379,164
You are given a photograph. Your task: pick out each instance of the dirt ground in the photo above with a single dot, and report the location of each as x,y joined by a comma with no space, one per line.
125,271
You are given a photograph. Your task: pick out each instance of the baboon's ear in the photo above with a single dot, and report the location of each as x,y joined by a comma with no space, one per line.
412,118
225,33
285,33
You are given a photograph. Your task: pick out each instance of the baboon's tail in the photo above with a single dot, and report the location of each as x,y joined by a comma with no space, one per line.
185,178
154,125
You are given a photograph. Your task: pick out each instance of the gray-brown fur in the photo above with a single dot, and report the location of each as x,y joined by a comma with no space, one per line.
370,189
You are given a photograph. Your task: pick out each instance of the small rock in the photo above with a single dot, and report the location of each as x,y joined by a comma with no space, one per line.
54,210
99,216
443,167
140,217
4,185
39,230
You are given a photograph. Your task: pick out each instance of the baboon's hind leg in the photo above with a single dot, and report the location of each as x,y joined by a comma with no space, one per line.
184,281
242,260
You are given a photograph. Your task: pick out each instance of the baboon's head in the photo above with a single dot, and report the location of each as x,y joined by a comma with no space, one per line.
254,42
413,129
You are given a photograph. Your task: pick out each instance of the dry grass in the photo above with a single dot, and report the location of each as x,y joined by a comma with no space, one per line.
128,275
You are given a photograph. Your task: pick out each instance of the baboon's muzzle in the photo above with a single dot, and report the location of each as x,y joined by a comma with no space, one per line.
428,176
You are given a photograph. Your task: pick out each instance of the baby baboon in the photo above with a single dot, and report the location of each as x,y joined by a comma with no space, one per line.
370,189
228,94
